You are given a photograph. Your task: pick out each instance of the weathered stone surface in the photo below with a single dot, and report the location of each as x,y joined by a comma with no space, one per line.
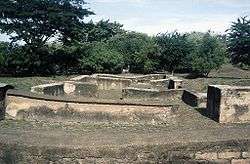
246,154
240,161
80,88
206,155
229,104
152,94
195,99
160,83
3,90
229,155
175,83
34,109
53,89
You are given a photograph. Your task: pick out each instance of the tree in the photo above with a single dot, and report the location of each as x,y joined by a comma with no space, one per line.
239,41
99,57
3,52
174,48
36,21
139,51
101,31
208,53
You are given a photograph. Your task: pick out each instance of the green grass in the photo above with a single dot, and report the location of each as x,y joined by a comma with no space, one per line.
227,75
25,83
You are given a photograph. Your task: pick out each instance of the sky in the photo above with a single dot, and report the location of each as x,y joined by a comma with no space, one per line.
159,16
155,16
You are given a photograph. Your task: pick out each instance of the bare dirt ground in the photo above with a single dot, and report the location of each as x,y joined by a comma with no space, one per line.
188,126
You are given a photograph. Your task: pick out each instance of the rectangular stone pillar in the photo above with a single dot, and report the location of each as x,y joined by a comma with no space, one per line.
229,104
175,83
3,90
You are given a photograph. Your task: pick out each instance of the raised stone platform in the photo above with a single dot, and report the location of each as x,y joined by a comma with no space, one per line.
229,104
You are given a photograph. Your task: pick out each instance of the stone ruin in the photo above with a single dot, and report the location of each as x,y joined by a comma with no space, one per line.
152,102
225,104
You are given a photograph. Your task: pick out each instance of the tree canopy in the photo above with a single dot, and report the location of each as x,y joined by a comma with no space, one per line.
239,41
208,53
174,48
36,21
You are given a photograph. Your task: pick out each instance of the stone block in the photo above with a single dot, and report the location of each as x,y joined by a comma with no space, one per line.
206,156
195,99
240,161
229,155
3,89
246,154
175,83
229,104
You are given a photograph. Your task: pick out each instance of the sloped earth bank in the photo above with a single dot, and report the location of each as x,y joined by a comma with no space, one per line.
187,138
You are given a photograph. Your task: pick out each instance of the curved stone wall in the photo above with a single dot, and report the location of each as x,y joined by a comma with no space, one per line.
36,107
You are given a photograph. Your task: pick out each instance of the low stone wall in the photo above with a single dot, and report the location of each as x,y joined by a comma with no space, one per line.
53,89
195,99
3,90
105,83
152,94
134,78
80,88
160,83
229,104
36,108
67,88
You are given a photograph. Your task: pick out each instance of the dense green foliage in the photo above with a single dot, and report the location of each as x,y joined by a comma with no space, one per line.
36,21
208,53
139,51
239,41
101,31
101,58
88,47
174,48
3,52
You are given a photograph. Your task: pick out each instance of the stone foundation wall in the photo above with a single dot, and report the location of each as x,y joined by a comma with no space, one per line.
195,99
54,89
67,88
28,108
2,103
152,94
3,90
80,89
229,104
105,83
